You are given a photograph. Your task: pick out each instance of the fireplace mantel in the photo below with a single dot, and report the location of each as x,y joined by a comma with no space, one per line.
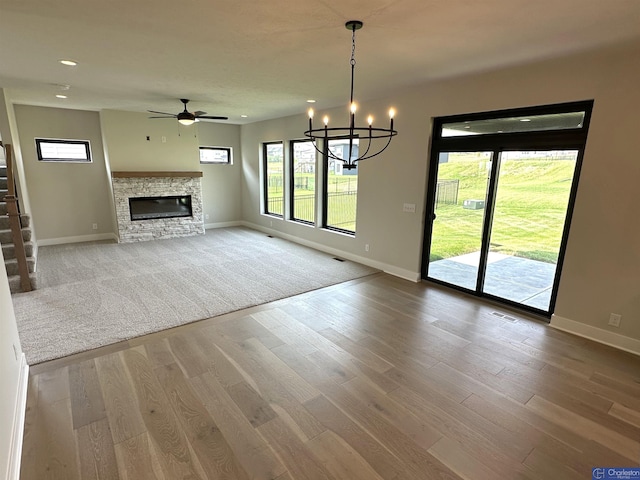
155,174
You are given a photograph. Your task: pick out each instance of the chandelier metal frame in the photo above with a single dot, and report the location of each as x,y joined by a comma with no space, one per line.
352,132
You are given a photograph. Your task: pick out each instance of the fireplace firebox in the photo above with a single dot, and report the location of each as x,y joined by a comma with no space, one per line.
148,208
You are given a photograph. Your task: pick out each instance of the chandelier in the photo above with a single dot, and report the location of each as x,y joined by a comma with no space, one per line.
352,133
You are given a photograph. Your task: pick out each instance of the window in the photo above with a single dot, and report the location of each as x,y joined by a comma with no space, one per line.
340,189
55,150
303,181
273,177
220,155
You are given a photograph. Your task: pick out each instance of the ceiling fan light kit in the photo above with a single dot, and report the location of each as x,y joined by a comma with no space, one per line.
351,132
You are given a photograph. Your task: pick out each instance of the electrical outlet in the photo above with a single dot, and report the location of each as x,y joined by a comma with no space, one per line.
95,226
614,319
366,247
164,139
206,216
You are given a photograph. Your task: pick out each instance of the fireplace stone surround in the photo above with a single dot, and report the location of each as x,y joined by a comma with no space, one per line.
157,184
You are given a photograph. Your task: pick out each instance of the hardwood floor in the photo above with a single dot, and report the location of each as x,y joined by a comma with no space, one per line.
377,378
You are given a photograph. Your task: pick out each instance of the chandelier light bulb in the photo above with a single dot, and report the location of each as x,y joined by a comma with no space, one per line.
326,120
353,108
370,120
311,113
392,112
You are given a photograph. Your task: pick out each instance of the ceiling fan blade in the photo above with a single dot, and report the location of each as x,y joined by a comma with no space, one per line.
199,113
210,117
166,116
162,113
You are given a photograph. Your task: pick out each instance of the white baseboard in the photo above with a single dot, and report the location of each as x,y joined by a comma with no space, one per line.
77,239
17,435
385,267
207,226
599,335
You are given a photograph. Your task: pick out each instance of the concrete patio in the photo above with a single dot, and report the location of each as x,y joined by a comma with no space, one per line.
518,279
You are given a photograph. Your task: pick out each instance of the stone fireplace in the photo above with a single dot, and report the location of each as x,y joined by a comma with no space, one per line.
165,205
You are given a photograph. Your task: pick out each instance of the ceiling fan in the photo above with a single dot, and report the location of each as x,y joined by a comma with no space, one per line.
187,118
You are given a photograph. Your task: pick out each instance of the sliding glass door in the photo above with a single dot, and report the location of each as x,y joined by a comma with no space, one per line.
456,239
501,191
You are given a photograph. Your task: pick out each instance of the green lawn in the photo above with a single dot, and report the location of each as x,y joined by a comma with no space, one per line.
531,205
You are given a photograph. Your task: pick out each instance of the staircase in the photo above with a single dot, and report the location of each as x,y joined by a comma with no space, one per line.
6,240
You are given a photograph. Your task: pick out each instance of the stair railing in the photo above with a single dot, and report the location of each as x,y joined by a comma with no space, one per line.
14,221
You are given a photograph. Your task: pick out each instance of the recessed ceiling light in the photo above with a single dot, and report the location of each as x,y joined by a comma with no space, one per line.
243,116
525,119
61,96
311,101
69,63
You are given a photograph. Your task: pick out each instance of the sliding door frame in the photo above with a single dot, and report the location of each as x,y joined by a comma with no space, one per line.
567,139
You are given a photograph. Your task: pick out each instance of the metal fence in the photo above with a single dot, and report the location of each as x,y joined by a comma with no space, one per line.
447,192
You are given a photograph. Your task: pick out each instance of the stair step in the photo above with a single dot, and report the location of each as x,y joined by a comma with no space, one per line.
11,265
14,283
6,237
3,208
25,221
3,182
9,250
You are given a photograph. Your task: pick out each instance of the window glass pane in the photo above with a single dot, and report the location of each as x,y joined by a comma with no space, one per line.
303,172
215,155
530,123
63,150
274,185
342,188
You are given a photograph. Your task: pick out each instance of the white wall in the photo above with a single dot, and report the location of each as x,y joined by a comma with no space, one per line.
602,263
10,378
221,184
66,198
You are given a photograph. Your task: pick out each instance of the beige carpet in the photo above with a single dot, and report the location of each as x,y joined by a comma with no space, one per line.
95,294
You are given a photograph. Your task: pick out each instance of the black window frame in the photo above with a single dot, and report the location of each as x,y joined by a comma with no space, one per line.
228,150
86,143
265,179
292,216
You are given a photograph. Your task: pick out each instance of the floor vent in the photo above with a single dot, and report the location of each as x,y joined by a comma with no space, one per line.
270,236
505,317
338,259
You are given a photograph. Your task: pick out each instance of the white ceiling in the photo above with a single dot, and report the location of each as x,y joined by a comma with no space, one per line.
265,58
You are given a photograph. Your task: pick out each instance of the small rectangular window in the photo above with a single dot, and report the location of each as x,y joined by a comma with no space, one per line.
56,150
220,155
523,123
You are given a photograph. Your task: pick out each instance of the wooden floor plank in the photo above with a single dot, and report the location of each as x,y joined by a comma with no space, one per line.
214,454
97,457
296,457
137,460
168,439
125,420
87,404
252,452
340,459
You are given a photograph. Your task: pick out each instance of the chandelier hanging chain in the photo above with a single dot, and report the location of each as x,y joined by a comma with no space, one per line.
351,134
